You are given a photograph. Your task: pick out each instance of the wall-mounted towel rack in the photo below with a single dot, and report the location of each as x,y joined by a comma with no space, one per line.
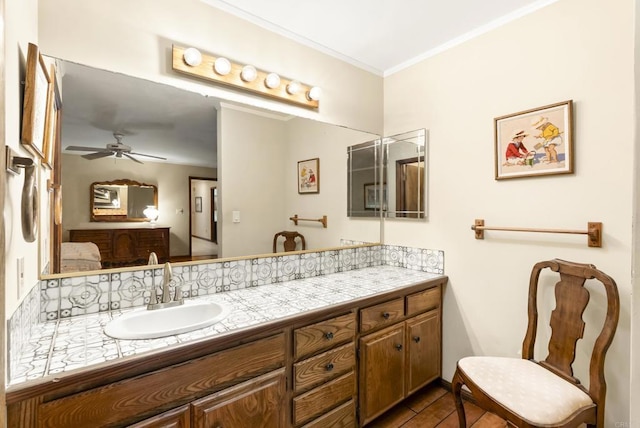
593,232
295,219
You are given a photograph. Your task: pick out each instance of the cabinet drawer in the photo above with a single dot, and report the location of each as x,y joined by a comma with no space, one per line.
324,335
323,367
382,314
423,301
343,416
144,395
317,401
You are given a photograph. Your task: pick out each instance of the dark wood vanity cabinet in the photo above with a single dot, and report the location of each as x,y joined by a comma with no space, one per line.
397,360
338,367
126,246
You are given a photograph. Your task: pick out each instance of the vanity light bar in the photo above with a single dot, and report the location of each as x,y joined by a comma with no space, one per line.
219,69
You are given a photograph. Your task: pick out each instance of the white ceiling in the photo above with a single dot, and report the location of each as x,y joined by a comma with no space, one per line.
382,36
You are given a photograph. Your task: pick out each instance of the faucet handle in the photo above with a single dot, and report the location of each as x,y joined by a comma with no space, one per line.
177,296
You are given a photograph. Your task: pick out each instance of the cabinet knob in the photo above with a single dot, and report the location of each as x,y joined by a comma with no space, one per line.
328,335
399,347
385,315
416,339
329,367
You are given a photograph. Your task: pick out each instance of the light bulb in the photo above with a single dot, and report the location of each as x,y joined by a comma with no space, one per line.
272,81
293,87
248,73
151,212
222,66
314,94
192,57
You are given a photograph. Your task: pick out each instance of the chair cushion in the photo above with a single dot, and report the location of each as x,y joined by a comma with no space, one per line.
525,388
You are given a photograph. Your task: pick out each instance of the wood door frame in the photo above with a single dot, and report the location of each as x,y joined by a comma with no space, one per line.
191,178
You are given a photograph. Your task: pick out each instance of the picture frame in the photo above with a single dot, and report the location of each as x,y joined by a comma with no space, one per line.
51,123
535,142
198,204
372,197
36,91
309,176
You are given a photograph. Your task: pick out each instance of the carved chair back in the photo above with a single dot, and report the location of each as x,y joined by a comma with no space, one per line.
289,241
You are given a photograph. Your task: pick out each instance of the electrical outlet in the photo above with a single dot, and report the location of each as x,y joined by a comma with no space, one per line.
20,276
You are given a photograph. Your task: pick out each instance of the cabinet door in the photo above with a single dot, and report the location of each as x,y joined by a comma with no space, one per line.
176,418
124,245
382,360
423,343
256,403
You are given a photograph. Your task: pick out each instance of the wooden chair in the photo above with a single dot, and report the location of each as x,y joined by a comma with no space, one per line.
289,240
530,393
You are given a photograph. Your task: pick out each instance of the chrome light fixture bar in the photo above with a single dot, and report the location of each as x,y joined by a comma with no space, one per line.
244,76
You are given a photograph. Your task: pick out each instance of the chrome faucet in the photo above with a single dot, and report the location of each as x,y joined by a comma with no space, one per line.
165,298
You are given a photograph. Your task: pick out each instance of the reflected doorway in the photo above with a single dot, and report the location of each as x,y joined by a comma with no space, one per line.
409,185
203,218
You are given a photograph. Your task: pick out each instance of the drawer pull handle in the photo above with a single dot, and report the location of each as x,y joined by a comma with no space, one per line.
416,339
329,367
385,315
328,335
399,347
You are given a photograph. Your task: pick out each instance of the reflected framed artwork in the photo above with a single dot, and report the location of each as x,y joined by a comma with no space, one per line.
198,204
309,176
36,92
535,142
372,196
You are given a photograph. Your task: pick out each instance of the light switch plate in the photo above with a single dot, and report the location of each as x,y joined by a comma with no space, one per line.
236,216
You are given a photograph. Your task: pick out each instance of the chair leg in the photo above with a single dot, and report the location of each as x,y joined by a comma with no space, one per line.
456,387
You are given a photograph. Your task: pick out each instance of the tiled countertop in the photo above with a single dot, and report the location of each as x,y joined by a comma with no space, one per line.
77,342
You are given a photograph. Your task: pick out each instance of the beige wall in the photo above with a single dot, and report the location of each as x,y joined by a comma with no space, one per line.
250,181
572,49
21,28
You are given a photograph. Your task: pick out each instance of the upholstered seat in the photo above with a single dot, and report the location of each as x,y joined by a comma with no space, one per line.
529,393
526,388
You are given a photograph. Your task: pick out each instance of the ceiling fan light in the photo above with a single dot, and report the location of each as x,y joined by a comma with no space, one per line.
222,66
294,87
272,81
248,73
192,57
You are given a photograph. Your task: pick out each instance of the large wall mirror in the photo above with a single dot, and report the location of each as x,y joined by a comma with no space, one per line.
234,164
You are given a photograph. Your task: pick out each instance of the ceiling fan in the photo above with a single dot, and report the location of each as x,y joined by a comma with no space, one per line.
118,149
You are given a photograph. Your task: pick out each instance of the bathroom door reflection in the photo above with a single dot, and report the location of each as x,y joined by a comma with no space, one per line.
409,183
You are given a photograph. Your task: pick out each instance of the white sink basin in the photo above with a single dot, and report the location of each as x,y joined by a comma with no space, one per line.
146,324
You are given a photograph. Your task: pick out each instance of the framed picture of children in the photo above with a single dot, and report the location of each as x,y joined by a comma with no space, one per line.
535,142
309,176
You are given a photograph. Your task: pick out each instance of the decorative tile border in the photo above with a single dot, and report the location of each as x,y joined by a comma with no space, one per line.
63,298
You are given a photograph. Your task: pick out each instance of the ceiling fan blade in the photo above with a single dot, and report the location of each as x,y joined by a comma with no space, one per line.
85,149
132,158
149,156
96,155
